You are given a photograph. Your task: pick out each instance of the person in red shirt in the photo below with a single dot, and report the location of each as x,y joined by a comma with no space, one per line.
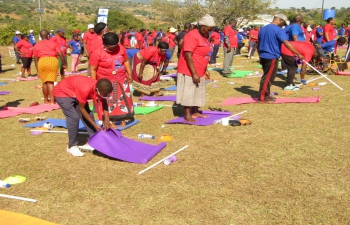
253,40
171,36
72,97
154,36
328,30
112,63
45,57
88,37
60,41
125,40
150,39
140,38
230,43
307,31
215,40
307,50
25,50
100,29
146,68
192,68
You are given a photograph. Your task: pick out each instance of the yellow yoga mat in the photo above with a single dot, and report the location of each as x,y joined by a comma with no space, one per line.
11,218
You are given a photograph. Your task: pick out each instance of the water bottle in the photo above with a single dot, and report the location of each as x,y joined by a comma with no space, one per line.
143,136
170,160
3,184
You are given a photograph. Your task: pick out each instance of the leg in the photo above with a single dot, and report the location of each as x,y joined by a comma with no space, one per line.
291,67
50,87
270,70
23,72
226,68
253,48
188,117
46,93
196,113
17,58
90,129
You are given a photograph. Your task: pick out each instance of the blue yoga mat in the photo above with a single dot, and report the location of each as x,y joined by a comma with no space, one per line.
62,123
3,83
171,88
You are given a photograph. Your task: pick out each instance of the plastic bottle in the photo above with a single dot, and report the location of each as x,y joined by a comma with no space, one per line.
170,160
143,136
3,184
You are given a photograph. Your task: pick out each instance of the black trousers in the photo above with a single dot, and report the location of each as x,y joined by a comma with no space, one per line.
238,50
291,66
214,54
270,70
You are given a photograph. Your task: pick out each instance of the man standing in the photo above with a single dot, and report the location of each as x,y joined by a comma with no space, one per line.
230,43
61,42
342,30
88,37
270,40
15,40
179,39
328,30
295,31
51,34
306,31
253,39
31,37
140,38
171,35
319,33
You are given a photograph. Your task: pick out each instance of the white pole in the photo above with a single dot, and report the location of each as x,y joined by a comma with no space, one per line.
324,76
219,121
55,131
160,161
39,14
18,198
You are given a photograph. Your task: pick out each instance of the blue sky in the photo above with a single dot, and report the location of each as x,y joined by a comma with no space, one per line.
310,4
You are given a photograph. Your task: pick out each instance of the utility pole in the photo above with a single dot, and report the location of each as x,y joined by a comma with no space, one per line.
40,14
321,13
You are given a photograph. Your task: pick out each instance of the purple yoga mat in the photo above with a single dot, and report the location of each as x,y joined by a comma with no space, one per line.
170,98
5,92
170,75
247,100
213,115
113,144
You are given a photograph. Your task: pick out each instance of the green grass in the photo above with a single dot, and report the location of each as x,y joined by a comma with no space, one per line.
290,166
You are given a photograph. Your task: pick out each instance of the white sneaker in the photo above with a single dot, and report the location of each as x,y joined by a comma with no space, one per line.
75,151
86,147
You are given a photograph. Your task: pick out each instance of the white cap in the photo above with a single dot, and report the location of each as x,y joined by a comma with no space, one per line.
91,26
31,31
207,20
240,30
52,31
17,32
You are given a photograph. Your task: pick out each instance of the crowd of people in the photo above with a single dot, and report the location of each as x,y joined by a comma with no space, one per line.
140,57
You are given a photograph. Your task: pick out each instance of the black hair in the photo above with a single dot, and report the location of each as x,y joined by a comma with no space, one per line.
75,35
99,27
341,40
24,36
163,45
104,86
122,37
329,19
142,30
187,26
149,33
110,39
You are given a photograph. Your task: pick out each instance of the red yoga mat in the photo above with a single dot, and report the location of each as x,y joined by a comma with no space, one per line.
247,100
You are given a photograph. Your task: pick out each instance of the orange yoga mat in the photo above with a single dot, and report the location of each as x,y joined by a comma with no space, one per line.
11,218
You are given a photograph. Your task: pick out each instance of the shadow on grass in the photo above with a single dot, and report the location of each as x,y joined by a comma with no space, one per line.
100,154
247,90
5,70
12,104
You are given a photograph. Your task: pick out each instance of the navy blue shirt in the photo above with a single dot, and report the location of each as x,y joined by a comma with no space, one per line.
319,37
295,30
270,39
76,47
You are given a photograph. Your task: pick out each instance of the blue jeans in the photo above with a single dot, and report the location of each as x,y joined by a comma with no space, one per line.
214,54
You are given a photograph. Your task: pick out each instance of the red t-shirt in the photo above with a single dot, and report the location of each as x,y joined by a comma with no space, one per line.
109,63
152,55
165,39
61,43
150,39
200,47
95,44
215,36
46,48
171,37
81,88
140,38
254,34
154,34
88,37
306,33
305,48
126,42
328,29
228,31
26,47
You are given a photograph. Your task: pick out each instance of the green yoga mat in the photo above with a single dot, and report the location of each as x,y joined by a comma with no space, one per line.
146,109
239,73
258,66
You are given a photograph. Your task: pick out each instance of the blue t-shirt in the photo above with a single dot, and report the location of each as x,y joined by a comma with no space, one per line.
319,37
286,29
271,38
15,39
341,31
240,38
31,38
168,55
295,30
159,34
329,46
76,47
222,36
52,35
131,52
349,35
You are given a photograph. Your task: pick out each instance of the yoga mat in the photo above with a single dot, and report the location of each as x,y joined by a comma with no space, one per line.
12,218
77,73
247,100
27,78
213,115
5,92
170,75
170,98
3,83
170,68
239,73
113,144
172,64
284,72
171,88
14,111
145,109
215,69
62,123
343,73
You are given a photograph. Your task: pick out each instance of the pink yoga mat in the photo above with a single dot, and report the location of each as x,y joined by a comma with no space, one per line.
247,100
14,111
5,92
170,98
343,73
27,78
77,73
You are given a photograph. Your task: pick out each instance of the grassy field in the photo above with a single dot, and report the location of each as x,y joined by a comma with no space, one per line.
290,166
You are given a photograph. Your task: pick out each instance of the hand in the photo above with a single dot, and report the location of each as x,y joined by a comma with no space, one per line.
129,79
87,54
301,57
207,74
155,76
140,76
64,67
106,124
228,49
195,78
97,127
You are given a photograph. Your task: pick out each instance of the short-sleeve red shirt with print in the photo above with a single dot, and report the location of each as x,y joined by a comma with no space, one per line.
46,48
232,36
152,55
61,43
304,48
26,47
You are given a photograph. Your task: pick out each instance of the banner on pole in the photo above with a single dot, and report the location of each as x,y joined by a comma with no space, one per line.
102,15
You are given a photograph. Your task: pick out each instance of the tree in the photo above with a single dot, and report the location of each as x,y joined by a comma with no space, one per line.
120,20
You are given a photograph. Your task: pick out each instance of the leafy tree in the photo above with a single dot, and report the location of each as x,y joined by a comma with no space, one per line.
120,20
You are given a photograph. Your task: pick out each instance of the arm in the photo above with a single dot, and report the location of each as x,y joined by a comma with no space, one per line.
128,70
227,41
36,60
295,38
326,36
64,63
93,72
181,43
18,50
142,66
86,48
190,64
86,115
290,47
106,122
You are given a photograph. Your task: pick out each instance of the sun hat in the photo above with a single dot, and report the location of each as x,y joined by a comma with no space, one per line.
31,31
281,16
17,32
240,30
207,20
91,26
172,30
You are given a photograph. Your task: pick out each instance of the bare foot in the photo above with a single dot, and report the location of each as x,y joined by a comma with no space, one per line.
142,95
190,119
199,115
113,126
158,94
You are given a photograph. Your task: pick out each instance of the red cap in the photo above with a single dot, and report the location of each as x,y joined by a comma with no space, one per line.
76,31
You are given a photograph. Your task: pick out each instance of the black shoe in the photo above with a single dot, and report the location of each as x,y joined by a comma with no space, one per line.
268,100
18,63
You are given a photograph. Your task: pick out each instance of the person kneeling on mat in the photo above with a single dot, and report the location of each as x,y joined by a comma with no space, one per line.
304,48
73,98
